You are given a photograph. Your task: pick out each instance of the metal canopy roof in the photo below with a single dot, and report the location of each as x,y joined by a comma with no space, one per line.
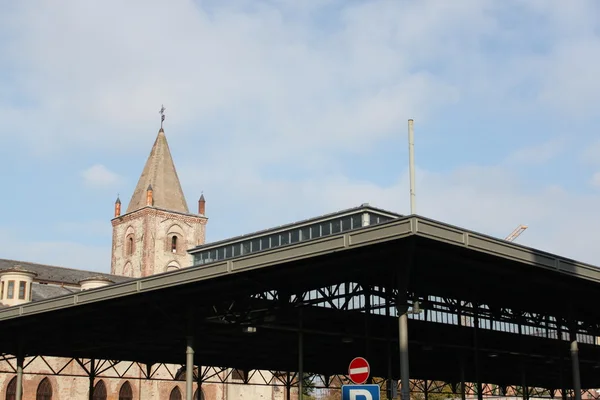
148,319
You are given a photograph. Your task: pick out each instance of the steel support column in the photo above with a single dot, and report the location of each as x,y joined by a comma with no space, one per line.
575,364
403,341
463,386
367,294
20,361
389,390
189,369
300,356
476,346
92,378
402,308
199,382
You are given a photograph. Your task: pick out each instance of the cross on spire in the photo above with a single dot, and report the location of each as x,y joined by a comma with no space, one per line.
162,115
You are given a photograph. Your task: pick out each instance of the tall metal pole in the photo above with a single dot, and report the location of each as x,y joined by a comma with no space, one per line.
411,164
403,341
575,366
189,369
19,391
300,356
92,377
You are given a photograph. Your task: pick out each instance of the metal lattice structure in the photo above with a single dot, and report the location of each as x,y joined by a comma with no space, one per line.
497,318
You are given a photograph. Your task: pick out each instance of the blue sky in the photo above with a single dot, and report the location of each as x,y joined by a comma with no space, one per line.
281,110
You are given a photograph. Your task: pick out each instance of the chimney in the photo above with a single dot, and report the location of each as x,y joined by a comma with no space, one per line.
117,207
201,205
149,200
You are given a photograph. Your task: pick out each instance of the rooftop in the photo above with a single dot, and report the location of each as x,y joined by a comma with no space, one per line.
55,274
454,272
365,207
160,176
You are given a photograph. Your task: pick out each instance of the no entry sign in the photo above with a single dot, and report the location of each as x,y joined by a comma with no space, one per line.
359,370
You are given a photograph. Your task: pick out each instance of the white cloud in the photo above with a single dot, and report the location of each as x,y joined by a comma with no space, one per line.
262,87
106,69
99,176
595,181
591,154
492,200
61,253
539,153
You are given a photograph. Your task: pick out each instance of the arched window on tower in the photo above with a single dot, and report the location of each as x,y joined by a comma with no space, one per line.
11,389
201,395
99,391
126,393
130,245
44,390
174,244
175,394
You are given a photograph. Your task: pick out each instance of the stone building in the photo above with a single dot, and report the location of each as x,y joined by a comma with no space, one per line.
152,236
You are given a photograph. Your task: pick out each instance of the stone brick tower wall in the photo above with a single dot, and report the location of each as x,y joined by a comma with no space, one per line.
156,231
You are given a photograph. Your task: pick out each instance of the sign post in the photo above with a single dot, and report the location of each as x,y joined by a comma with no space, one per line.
358,372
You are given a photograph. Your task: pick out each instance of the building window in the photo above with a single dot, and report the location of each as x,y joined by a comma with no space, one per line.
22,290
246,247
130,245
174,244
201,394
336,226
305,233
356,221
295,236
11,389
11,290
30,291
175,394
44,390
2,291
315,231
126,393
99,391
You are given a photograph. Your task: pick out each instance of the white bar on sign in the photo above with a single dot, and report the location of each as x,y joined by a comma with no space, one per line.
361,370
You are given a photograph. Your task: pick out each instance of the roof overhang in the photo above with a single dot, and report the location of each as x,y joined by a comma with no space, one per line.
148,319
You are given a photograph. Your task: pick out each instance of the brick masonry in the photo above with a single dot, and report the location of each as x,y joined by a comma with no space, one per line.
152,231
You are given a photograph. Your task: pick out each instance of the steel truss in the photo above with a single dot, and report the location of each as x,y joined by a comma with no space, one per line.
347,296
131,370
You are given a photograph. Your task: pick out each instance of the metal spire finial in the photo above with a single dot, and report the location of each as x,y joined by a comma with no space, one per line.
162,115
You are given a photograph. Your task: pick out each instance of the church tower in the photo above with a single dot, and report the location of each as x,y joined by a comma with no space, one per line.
157,229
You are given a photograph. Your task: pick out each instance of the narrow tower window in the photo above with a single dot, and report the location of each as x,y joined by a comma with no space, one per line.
174,244
129,246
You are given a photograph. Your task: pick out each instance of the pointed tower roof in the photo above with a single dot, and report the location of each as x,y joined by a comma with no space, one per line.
159,173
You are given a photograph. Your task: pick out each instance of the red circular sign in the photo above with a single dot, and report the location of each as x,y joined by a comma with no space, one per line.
359,370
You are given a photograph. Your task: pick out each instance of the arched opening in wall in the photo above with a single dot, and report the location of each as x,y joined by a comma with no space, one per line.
11,389
129,245
99,391
180,374
201,395
175,394
126,393
174,244
172,266
44,390
128,270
